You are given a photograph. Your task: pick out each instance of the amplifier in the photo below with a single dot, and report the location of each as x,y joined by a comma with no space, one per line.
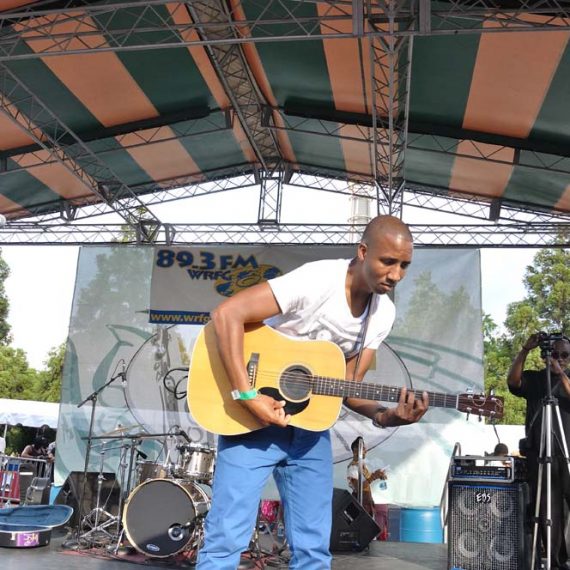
488,527
487,468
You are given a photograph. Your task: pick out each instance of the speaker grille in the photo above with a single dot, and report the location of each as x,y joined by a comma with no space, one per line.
487,526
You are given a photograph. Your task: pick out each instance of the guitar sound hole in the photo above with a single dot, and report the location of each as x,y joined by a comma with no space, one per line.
295,383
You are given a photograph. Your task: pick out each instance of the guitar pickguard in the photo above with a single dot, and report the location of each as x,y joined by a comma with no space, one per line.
291,408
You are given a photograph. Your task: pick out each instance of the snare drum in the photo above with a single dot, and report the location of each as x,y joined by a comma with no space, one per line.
195,462
162,517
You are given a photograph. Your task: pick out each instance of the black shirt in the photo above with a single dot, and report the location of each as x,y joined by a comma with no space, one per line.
533,389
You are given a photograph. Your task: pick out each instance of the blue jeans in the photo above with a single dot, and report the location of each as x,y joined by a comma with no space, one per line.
301,462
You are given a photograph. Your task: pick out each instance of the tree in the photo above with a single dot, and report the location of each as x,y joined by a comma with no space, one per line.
430,304
5,337
17,379
546,307
48,384
498,358
548,284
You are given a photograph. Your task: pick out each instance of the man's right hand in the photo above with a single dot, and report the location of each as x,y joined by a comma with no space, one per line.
268,410
532,342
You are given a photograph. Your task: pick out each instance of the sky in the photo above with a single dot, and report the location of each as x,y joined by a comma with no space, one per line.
42,278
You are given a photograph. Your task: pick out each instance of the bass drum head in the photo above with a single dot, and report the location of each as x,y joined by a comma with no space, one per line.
156,514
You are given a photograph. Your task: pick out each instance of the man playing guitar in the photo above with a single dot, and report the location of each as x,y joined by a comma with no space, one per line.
343,301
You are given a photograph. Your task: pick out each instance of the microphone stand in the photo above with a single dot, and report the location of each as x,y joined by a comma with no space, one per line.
93,397
360,491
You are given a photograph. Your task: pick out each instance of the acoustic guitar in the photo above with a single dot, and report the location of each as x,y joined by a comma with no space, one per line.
307,374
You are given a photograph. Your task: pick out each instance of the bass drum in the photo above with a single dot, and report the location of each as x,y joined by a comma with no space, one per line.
162,517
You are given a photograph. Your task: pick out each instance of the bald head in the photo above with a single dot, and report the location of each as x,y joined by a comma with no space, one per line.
381,226
383,255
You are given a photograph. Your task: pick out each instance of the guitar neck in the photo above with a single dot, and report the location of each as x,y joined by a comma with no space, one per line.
369,391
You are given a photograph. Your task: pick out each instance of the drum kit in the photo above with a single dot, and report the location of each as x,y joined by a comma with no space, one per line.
162,504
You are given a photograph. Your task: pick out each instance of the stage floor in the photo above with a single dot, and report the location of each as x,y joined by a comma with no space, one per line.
381,555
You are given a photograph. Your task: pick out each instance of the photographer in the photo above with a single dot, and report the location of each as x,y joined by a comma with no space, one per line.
532,385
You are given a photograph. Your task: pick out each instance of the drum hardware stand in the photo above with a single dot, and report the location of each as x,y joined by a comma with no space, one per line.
125,483
272,557
99,519
93,397
549,403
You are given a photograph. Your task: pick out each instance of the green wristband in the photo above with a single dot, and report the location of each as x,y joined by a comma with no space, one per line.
249,395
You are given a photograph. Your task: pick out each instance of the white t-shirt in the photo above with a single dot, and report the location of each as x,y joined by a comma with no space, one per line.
313,303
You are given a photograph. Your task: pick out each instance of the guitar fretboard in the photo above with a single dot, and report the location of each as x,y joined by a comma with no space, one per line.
368,391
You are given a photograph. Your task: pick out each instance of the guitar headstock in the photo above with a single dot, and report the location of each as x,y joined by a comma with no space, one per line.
481,405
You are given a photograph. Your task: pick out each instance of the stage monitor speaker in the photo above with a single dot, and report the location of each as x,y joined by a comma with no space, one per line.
352,527
488,527
70,493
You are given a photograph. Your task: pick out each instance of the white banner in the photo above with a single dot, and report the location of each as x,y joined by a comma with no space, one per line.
436,344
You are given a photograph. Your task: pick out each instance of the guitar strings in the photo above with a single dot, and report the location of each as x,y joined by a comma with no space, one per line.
308,382
383,392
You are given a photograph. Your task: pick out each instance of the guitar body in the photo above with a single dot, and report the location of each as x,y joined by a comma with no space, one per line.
279,357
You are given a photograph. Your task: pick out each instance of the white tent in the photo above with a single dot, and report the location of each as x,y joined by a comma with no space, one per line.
28,413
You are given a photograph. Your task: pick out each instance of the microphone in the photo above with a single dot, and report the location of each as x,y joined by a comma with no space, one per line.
184,435
142,454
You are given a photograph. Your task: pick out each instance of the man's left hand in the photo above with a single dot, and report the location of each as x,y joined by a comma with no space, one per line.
408,411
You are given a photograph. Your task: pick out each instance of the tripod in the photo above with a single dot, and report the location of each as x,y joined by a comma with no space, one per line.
549,405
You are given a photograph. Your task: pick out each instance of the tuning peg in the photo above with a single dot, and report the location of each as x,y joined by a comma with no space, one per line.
480,417
467,416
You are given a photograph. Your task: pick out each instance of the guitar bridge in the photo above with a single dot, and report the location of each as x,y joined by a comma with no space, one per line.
252,367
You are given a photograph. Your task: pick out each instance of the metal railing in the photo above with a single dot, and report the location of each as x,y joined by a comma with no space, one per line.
17,475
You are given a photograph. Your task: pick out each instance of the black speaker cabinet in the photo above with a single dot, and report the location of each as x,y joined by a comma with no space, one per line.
71,490
488,527
352,527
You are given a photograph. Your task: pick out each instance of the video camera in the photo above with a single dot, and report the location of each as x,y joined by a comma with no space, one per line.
546,340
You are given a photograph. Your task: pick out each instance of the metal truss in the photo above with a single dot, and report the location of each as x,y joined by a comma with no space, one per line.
501,225
333,125
475,207
128,136
387,27
213,22
248,103
479,150
391,59
269,213
476,235
277,21
210,183
49,133
194,185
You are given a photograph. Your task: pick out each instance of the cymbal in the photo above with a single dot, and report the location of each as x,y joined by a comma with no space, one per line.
120,430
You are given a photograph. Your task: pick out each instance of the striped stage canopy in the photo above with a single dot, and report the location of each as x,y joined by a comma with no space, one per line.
117,99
